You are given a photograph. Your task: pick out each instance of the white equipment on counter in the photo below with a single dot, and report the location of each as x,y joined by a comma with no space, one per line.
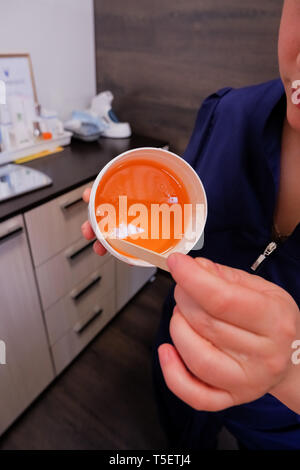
98,121
26,129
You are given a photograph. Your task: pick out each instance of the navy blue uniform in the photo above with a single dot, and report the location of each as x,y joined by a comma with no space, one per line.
235,149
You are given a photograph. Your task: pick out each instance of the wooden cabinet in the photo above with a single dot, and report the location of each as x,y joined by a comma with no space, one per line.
56,225
129,280
28,369
80,302
79,294
67,347
63,272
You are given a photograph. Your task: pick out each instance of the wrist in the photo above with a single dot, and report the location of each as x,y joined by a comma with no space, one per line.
287,390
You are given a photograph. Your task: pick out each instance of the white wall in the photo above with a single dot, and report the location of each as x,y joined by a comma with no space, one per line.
59,35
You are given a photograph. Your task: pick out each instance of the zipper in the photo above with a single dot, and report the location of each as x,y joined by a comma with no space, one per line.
268,250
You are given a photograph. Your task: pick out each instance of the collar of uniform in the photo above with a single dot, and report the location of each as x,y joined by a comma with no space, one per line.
268,124
271,138
272,130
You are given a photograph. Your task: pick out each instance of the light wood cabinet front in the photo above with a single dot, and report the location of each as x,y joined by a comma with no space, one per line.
129,280
67,348
56,224
80,301
28,369
79,292
61,273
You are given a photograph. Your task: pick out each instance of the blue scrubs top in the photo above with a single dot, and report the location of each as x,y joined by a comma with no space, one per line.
235,149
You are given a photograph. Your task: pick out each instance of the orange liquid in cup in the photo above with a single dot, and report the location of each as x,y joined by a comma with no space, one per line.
147,182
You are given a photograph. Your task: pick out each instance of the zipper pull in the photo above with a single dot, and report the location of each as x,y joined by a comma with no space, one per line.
269,249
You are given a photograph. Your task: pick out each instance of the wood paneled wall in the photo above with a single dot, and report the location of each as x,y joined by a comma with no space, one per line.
161,58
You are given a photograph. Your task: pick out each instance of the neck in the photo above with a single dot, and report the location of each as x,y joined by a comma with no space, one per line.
286,215
290,138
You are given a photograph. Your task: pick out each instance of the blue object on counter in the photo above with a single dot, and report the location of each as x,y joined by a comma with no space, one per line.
85,126
94,123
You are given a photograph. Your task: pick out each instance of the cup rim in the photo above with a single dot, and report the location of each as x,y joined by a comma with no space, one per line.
91,207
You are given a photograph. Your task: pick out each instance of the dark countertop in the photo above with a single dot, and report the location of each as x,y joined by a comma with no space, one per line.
79,163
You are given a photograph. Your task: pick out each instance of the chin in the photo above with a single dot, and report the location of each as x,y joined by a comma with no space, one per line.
293,116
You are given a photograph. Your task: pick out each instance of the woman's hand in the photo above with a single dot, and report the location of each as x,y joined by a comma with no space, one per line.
87,230
232,334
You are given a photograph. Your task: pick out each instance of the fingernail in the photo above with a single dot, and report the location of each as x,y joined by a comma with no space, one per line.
204,263
172,261
164,355
208,264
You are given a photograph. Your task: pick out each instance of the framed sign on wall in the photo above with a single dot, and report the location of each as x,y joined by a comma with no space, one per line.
25,127
17,74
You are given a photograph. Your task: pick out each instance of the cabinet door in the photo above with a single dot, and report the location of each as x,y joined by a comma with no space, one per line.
28,369
56,225
130,279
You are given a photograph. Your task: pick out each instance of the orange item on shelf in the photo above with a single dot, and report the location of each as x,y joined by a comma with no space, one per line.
47,135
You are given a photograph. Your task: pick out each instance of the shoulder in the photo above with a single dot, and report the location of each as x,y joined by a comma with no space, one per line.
244,106
246,101
240,109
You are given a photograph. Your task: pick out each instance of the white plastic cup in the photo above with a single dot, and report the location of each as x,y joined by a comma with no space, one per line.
189,178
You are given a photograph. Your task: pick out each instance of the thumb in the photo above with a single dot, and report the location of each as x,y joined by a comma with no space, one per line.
237,276
198,277
226,293
184,269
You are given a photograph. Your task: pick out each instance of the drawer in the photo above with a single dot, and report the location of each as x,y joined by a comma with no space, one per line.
67,348
129,280
81,302
63,272
56,224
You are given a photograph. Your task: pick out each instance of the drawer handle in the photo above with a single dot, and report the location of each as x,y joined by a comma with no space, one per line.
81,326
11,233
76,293
68,204
72,254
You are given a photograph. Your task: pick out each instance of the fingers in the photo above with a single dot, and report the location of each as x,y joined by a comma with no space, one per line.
87,231
86,228
237,276
86,194
202,358
186,387
223,299
225,336
99,249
